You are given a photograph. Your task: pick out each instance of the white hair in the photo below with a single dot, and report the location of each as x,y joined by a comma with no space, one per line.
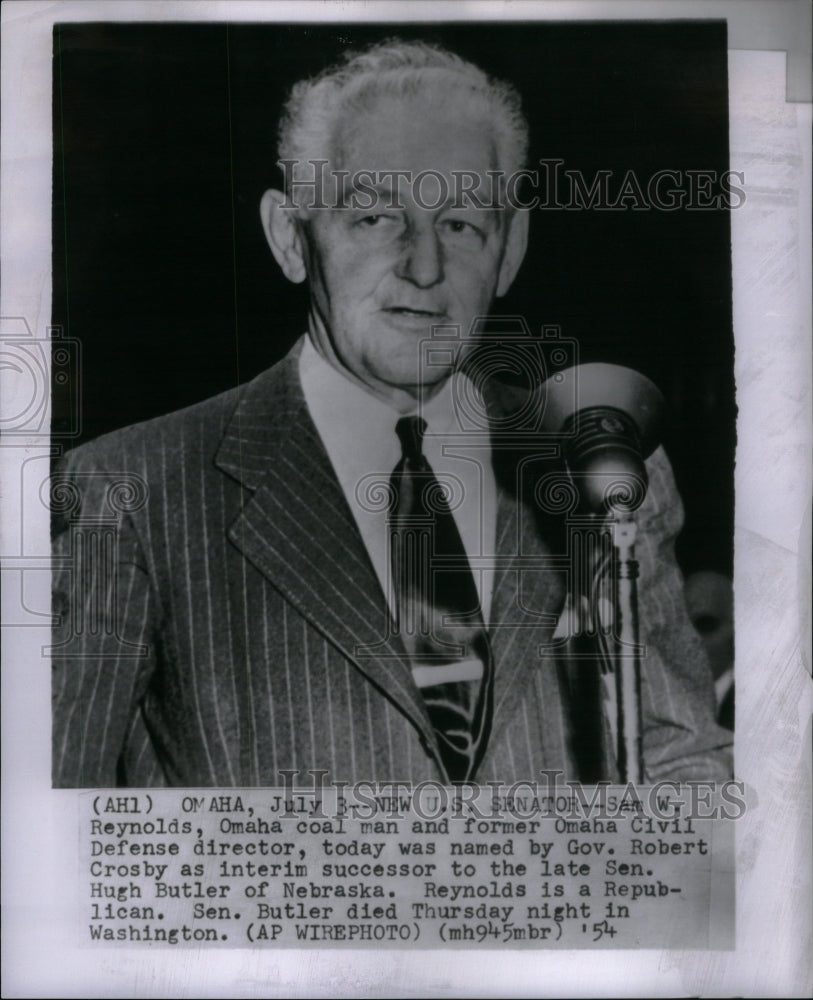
396,68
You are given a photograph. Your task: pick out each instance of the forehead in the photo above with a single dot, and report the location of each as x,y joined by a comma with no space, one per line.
423,131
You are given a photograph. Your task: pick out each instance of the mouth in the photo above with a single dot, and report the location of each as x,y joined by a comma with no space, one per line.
413,315
418,310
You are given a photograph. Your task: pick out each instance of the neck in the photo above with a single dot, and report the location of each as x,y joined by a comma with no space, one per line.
402,399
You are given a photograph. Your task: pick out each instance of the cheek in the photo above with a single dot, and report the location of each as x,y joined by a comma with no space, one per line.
353,276
473,283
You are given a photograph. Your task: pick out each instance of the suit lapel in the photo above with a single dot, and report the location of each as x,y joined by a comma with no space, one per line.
299,532
529,588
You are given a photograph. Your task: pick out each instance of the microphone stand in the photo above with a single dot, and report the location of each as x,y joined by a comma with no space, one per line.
629,753
609,418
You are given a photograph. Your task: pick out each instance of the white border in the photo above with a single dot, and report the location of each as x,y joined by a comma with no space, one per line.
771,243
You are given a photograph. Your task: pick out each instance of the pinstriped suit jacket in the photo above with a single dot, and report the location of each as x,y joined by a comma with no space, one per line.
226,622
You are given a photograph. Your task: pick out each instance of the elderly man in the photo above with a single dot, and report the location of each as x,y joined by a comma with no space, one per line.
337,566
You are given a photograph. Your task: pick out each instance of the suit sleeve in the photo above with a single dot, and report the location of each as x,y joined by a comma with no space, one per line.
103,650
681,739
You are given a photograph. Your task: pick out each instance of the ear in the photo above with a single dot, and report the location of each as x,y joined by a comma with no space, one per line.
515,246
283,234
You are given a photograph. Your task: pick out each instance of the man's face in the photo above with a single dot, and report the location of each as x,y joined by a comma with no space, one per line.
382,278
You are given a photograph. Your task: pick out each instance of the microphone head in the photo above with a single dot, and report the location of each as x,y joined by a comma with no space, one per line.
611,418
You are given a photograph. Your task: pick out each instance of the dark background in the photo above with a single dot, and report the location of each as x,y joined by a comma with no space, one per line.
164,140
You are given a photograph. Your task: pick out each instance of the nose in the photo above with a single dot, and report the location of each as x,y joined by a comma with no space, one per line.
421,261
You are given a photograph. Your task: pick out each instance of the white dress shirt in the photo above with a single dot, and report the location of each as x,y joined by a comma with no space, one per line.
358,432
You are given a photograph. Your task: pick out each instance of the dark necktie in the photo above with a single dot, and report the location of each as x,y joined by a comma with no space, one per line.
438,610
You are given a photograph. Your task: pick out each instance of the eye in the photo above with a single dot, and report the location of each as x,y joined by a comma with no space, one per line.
382,224
463,232
375,220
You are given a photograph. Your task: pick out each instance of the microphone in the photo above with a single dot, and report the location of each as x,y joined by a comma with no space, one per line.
611,419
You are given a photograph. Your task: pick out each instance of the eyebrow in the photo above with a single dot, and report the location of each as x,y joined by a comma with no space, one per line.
391,195
364,185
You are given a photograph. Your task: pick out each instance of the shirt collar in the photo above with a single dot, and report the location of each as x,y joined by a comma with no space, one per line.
353,421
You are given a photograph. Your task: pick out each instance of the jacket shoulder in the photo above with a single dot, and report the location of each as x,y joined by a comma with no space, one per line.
142,444
118,472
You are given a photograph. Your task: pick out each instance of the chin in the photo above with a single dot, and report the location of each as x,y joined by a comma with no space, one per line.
397,363
435,381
